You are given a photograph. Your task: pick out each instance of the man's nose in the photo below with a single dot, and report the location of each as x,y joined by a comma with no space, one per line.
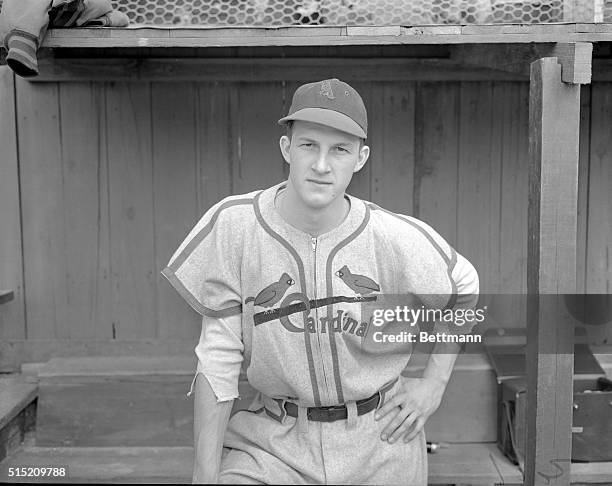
321,163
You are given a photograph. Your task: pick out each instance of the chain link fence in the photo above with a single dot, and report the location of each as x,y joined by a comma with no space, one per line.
361,12
274,13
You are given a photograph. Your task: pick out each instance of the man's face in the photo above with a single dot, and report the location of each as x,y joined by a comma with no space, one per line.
322,161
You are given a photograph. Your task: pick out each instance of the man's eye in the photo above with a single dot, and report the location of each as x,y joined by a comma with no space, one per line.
341,149
306,145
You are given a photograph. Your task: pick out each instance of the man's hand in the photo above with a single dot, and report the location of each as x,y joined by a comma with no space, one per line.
410,408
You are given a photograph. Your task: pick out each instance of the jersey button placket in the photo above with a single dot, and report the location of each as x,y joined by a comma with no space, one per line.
314,244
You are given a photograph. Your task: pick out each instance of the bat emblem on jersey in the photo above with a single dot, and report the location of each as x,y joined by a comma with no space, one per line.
273,293
360,284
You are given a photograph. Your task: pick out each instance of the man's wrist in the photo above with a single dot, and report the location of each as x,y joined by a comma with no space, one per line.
443,381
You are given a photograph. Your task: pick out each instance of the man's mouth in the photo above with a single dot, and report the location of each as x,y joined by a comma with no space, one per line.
322,183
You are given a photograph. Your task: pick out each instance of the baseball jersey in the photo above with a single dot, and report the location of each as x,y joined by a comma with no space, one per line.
305,304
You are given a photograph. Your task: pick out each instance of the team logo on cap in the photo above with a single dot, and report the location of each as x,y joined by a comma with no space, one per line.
326,90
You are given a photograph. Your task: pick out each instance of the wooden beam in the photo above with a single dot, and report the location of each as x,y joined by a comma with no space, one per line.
554,119
15,352
263,70
588,11
575,58
151,36
12,316
466,64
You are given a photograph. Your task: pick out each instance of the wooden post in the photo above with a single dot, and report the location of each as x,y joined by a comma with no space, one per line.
568,10
12,317
554,120
583,10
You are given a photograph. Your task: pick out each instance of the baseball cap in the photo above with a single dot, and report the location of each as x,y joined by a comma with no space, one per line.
332,103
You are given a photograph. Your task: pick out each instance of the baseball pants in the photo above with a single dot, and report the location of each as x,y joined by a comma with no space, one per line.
266,450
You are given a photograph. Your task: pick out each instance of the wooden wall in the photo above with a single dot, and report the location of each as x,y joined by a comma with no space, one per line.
111,177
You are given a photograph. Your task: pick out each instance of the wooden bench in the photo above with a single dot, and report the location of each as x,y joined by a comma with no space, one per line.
17,412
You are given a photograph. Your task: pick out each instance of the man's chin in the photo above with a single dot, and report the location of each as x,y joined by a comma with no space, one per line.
317,202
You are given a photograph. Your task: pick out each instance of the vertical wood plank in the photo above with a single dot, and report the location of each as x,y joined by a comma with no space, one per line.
214,150
437,157
84,208
568,10
479,181
513,99
103,304
258,162
361,183
12,319
599,230
392,134
133,269
287,90
554,117
583,187
583,197
175,195
42,186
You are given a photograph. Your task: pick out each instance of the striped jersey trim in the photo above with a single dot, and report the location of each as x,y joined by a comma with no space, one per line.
193,302
450,261
328,276
170,271
22,35
203,233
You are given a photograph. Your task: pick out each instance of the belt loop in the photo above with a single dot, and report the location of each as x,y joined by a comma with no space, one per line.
351,415
281,407
302,420
275,403
383,392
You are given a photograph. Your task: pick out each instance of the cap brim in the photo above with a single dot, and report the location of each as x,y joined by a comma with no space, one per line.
329,118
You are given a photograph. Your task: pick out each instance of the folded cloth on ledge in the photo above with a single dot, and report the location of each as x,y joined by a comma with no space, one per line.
24,23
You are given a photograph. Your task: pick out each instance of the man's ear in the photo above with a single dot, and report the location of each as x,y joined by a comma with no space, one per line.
364,153
285,145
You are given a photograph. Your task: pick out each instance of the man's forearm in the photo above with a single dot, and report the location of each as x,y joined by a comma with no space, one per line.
441,361
210,422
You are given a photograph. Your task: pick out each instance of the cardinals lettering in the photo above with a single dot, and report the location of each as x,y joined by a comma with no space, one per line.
298,303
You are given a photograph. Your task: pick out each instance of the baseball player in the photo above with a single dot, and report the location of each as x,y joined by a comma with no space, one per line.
287,280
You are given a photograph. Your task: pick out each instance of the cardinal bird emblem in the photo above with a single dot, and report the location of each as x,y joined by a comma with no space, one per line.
273,293
360,284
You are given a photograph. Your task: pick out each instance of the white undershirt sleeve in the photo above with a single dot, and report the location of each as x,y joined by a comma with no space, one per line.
220,355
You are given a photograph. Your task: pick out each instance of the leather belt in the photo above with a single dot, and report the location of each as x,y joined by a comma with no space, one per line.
335,412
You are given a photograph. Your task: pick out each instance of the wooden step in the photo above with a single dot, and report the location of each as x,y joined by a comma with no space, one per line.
129,401
135,401
172,465
480,463
117,401
458,463
17,411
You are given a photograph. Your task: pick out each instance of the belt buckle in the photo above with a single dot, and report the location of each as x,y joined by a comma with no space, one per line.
326,414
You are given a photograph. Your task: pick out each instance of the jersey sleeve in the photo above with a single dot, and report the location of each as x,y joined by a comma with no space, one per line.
203,268
464,297
220,356
430,268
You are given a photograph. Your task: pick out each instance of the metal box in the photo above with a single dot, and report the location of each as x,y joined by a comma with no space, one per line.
591,423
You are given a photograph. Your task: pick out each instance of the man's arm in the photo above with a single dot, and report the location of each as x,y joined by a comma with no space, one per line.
210,421
220,357
419,398
441,362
